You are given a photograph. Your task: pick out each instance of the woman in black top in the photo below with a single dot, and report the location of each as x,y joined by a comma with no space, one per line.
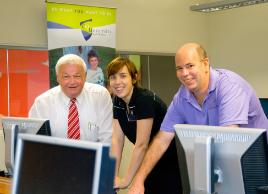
138,114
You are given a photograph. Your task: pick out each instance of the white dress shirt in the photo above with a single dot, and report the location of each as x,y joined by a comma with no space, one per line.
94,108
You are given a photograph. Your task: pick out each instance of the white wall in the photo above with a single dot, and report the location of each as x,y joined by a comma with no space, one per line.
238,41
144,26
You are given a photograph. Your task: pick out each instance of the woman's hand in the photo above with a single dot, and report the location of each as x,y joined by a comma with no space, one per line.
120,183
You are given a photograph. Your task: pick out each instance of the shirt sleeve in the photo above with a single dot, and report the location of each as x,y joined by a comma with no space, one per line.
173,115
34,111
233,104
105,121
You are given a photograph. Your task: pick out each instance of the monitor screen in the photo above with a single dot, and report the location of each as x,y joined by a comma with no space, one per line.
62,166
223,160
14,125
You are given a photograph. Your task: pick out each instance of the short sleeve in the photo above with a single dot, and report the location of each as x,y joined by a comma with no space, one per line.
173,115
233,104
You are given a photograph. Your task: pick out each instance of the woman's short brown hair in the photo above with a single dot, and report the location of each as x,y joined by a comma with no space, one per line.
118,63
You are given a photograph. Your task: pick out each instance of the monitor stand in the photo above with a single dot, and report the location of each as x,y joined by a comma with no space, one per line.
10,137
205,175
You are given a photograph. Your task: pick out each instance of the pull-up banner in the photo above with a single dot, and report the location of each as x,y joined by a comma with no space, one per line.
73,25
82,30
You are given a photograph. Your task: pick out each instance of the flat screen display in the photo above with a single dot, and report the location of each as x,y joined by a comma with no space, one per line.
14,125
222,160
51,165
63,170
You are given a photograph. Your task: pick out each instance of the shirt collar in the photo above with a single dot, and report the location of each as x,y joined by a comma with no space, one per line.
132,99
133,96
66,99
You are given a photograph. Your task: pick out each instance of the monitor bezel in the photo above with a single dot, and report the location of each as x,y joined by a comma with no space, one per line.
22,138
184,139
14,125
7,121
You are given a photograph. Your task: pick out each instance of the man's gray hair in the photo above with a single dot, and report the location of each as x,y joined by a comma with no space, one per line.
70,59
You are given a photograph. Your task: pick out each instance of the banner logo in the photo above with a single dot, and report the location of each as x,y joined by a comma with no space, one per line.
86,29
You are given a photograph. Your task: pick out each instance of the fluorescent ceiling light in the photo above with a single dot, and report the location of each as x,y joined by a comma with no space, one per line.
224,4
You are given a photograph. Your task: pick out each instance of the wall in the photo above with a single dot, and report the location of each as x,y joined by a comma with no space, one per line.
142,26
238,41
159,75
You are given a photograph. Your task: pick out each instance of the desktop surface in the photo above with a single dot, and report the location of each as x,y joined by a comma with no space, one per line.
5,185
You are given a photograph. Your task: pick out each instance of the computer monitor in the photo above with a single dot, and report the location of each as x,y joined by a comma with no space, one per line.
264,104
62,166
221,160
14,125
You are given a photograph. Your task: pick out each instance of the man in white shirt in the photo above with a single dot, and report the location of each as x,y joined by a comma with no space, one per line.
93,102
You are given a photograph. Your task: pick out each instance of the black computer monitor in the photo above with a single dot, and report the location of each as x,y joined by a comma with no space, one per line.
14,125
222,160
52,165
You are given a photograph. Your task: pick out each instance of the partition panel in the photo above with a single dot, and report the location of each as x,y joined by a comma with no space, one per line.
25,76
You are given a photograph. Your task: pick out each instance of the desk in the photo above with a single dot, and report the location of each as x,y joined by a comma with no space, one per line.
5,185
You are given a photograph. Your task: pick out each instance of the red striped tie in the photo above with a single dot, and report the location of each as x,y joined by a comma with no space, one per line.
73,121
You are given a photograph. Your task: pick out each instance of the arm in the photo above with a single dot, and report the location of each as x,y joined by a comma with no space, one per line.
41,109
33,112
233,103
144,127
232,126
156,150
118,139
105,117
41,105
